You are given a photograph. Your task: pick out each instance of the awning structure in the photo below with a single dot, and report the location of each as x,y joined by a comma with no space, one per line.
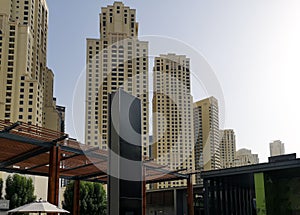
32,150
25,149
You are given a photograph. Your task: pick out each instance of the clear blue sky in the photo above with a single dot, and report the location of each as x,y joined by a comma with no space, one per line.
253,47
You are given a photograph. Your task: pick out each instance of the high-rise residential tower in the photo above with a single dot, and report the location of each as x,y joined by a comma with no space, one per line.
277,148
26,84
173,137
227,148
116,60
26,93
207,135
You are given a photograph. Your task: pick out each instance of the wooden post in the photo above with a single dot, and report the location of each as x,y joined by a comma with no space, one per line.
57,175
144,190
190,195
53,178
76,198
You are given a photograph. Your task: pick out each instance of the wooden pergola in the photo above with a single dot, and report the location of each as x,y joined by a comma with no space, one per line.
32,150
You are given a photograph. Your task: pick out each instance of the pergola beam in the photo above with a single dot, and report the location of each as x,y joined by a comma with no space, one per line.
60,138
23,157
164,180
82,166
85,177
11,127
81,152
62,159
23,171
21,139
179,175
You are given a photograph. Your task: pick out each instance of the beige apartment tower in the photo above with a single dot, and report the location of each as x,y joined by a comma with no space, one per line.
26,84
207,135
26,93
173,137
245,157
227,148
277,148
116,60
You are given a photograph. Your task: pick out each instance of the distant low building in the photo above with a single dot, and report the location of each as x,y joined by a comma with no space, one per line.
277,148
245,157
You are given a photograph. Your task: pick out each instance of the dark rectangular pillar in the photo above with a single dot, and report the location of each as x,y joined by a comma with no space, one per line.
226,194
212,196
251,200
218,197
222,197
231,199
206,197
125,155
240,202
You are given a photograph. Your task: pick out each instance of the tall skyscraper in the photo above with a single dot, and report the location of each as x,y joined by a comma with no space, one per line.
26,83
173,135
227,148
207,137
245,157
116,60
277,148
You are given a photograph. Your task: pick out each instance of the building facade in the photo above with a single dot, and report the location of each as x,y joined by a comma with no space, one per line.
26,93
277,148
245,157
116,60
227,148
26,84
173,135
207,135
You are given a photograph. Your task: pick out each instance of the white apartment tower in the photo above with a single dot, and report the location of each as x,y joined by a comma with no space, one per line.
277,148
116,60
173,137
227,148
26,93
207,135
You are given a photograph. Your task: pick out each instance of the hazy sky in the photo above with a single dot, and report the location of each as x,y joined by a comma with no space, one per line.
253,47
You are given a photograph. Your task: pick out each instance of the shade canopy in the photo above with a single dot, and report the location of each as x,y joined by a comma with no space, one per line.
25,150
38,207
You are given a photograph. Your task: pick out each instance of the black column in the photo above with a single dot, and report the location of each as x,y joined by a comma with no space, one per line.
125,155
227,199
231,193
206,197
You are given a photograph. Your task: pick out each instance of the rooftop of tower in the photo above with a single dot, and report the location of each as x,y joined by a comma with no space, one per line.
210,99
